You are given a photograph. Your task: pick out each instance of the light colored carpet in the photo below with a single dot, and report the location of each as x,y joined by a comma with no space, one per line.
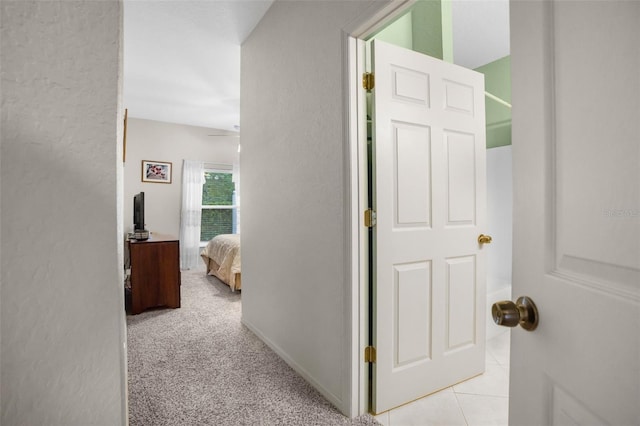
198,365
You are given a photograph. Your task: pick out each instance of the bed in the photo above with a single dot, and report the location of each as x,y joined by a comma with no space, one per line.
222,259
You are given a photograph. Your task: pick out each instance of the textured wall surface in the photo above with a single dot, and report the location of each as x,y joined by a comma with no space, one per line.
158,141
62,325
294,240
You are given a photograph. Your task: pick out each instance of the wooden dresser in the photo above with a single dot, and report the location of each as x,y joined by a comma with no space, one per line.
155,273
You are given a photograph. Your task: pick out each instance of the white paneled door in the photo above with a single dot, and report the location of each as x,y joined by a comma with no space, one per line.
576,167
430,198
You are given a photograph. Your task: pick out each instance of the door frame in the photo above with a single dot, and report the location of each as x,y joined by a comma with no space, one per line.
357,188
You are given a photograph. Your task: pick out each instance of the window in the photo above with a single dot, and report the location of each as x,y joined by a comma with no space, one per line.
219,209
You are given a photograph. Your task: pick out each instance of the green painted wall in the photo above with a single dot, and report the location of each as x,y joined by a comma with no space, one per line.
426,20
427,28
398,33
497,81
447,30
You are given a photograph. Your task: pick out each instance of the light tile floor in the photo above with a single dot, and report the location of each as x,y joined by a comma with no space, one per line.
481,401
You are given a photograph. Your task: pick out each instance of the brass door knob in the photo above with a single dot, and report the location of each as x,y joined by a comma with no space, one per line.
484,239
523,312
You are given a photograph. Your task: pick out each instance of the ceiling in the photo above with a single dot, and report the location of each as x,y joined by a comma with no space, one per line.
182,57
480,31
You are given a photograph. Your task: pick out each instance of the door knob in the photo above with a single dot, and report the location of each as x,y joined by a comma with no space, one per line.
523,312
484,239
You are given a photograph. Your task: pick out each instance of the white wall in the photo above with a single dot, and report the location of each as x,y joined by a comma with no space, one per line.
159,141
499,226
62,350
295,229
499,213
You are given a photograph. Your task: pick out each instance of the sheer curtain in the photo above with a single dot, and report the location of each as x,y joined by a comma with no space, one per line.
191,213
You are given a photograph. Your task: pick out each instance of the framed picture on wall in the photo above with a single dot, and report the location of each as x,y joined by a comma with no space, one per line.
156,171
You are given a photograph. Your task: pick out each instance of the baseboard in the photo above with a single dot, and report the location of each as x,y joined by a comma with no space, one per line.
337,402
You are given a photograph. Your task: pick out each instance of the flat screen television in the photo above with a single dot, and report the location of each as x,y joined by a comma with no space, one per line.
138,212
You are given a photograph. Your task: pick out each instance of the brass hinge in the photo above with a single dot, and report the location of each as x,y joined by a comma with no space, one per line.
369,354
369,218
368,81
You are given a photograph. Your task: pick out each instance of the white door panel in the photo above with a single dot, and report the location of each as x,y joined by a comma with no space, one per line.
576,164
430,198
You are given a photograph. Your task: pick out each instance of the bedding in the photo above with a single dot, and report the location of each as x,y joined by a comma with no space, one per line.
222,259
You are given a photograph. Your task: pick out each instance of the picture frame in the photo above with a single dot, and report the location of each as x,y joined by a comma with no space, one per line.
156,171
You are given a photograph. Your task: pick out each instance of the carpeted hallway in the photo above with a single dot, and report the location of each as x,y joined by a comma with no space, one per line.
198,365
